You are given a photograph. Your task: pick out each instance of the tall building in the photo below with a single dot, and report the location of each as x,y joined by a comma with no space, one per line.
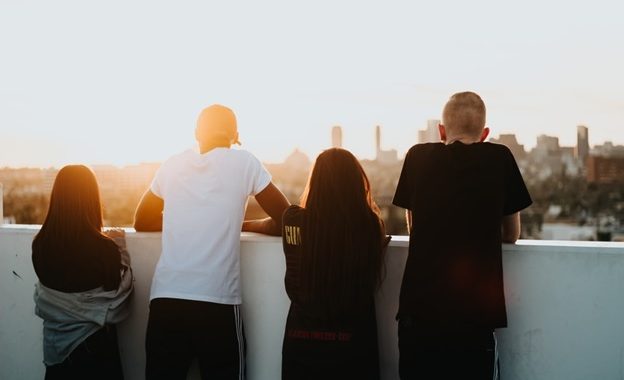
607,150
582,143
336,136
431,133
604,169
383,156
547,145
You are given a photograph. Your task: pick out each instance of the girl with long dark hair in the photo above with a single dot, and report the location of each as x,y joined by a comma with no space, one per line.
84,281
334,247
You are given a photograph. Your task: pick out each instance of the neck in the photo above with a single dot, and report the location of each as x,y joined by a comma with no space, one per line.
462,139
210,145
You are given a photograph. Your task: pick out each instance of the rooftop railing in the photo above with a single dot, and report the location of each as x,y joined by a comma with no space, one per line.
565,304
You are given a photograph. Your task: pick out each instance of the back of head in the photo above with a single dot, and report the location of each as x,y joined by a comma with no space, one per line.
342,236
217,124
75,209
464,114
337,184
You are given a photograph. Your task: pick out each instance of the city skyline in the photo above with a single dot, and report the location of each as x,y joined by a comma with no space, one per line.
124,82
386,153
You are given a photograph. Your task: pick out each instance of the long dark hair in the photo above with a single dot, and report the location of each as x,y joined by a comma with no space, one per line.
75,210
343,237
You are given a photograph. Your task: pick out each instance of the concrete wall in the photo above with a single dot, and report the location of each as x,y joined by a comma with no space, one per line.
565,305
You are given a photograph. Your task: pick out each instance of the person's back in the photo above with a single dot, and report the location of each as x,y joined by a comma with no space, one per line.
333,247
460,195
205,197
198,199
84,284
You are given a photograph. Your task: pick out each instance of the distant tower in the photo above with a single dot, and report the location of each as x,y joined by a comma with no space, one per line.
431,133
383,156
377,141
336,136
582,143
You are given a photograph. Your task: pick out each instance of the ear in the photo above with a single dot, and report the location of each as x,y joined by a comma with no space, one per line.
484,134
197,134
442,131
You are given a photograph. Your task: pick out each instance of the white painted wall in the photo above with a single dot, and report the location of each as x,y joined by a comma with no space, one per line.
565,306
1,204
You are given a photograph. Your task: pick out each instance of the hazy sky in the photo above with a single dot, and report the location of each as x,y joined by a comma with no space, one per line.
123,81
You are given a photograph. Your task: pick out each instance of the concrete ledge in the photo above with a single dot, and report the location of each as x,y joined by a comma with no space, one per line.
564,301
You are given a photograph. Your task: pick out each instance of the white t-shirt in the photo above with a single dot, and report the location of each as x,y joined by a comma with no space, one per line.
205,198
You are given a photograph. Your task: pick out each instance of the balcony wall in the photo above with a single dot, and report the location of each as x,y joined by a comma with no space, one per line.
565,306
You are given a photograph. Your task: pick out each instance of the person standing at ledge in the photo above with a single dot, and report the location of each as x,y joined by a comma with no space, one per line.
463,197
334,248
198,200
85,281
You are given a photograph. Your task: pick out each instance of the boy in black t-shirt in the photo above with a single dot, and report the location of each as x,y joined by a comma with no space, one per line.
463,198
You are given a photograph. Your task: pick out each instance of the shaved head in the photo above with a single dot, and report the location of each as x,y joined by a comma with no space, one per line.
464,114
217,123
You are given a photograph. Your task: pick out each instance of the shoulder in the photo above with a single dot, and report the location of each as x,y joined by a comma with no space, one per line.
107,247
242,155
426,147
108,243
496,149
109,254
423,155
293,215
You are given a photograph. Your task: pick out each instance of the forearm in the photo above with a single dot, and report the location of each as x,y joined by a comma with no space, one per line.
149,214
273,202
510,231
266,226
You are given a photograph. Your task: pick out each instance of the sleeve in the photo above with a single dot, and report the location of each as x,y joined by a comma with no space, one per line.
517,195
404,190
291,245
158,182
259,178
286,220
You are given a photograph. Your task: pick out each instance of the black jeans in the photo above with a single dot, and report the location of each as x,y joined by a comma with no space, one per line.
95,358
447,353
180,330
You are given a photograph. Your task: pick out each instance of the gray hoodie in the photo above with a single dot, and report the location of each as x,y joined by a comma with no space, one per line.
70,318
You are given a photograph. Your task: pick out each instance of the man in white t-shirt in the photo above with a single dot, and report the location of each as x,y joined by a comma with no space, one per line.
198,200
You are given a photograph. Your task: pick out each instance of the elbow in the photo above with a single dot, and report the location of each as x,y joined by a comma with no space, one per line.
139,223
142,225
139,226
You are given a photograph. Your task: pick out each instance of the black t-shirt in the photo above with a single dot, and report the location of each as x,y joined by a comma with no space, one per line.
458,195
91,262
316,348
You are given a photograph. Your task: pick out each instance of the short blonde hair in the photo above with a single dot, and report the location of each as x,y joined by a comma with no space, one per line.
464,113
